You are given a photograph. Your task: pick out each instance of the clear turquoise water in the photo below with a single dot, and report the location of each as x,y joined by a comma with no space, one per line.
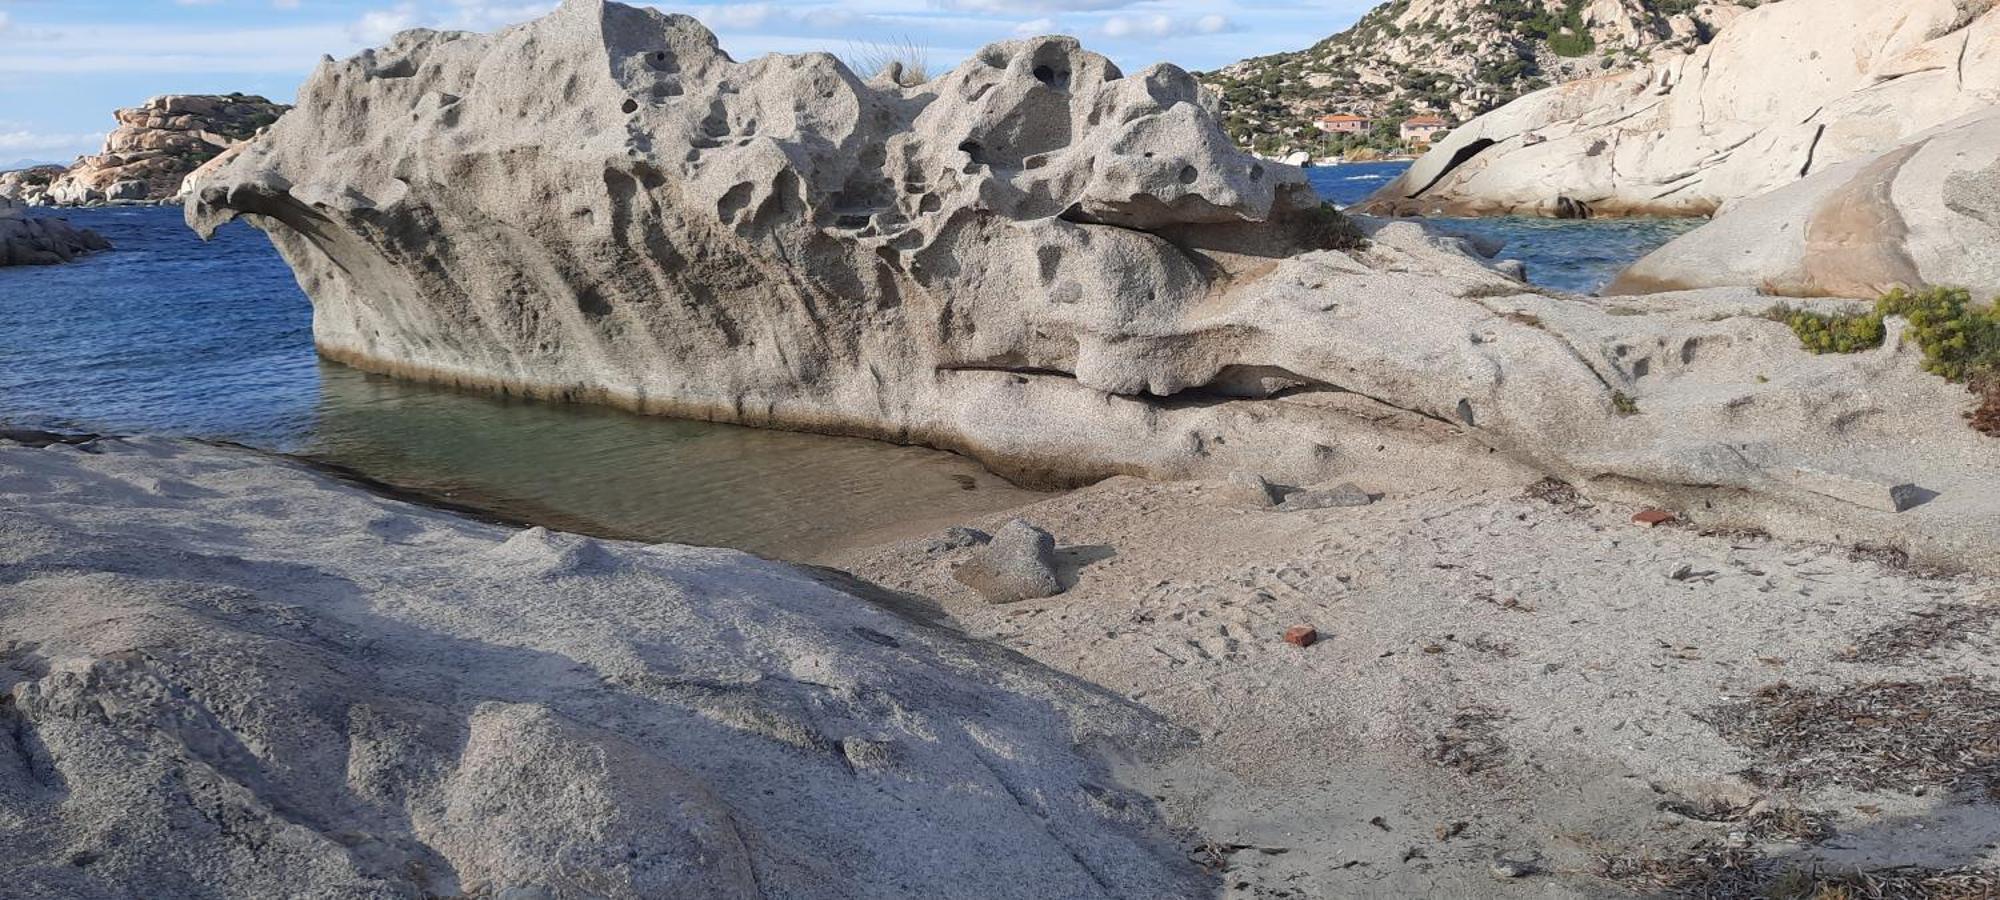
168,335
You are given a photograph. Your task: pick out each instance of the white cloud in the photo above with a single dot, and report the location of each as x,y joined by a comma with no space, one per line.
1018,6
378,26
1036,27
37,145
1160,27
285,4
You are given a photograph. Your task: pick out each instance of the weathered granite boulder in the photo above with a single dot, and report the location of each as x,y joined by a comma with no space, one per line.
1062,270
158,144
351,697
29,186
1017,563
1924,214
39,242
1784,91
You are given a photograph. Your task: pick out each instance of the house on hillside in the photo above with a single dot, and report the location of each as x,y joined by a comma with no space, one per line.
1423,129
1341,123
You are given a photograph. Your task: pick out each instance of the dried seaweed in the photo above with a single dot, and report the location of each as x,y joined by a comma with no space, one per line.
1898,735
1471,744
1936,628
1711,871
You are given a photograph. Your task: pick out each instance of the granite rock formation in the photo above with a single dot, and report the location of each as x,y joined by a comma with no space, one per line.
1061,270
40,241
338,695
156,145
1786,90
30,186
1926,214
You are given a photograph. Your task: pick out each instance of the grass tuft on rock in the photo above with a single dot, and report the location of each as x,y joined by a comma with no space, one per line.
1960,340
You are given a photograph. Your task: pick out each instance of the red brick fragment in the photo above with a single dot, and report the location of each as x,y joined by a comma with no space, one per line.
1652,518
1302,635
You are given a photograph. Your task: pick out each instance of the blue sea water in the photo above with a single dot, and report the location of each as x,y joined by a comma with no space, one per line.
1579,256
169,335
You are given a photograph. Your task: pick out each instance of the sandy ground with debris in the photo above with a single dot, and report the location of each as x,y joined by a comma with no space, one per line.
1519,693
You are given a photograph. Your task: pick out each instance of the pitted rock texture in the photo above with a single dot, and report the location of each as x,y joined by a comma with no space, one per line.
1060,270
1784,91
156,145
1926,214
222,675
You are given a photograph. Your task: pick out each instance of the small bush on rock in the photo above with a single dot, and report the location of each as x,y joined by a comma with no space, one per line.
1961,341
1830,333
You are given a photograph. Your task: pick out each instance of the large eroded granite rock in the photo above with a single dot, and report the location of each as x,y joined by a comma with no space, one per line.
39,241
1062,270
1924,214
1784,91
222,675
156,145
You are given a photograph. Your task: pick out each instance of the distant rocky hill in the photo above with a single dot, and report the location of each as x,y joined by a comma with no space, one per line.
1455,58
154,147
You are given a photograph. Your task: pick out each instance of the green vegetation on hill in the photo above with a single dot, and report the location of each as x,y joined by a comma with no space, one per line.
1455,62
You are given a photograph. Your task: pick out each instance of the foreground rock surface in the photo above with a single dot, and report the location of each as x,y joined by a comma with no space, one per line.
1784,91
40,241
224,675
1059,269
1926,214
154,148
1516,697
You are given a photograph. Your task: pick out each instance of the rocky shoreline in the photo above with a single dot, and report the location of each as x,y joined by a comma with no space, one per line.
42,241
1383,572
1058,269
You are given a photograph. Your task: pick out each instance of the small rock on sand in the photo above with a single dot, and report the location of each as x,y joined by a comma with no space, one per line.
1250,489
1302,635
1019,563
1513,865
1344,495
1652,518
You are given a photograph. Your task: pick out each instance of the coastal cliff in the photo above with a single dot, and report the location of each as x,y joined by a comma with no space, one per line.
1062,270
1784,91
153,148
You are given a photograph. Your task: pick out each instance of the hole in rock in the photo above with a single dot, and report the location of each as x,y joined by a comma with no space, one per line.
930,203
1188,175
630,106
591,303
974,151
1256,173
661,61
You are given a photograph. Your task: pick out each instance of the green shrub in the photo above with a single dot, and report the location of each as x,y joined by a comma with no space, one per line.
1829,333
1961,341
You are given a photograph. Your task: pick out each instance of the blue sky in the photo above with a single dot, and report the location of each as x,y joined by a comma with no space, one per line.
65,64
